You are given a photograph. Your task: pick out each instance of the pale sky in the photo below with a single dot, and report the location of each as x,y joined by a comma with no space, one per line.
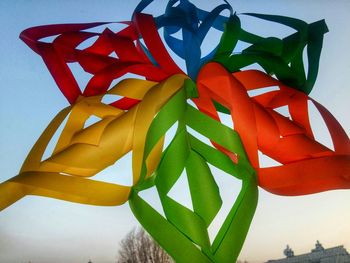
46,230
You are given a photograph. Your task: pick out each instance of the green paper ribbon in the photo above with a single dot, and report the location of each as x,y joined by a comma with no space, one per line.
183,232
282,57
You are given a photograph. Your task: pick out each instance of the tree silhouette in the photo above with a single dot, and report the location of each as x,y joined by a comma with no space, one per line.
139,247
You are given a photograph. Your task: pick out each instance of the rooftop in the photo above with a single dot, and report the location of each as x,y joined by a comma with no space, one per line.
319,254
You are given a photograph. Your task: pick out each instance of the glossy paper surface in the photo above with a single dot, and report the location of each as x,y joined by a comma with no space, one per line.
145,110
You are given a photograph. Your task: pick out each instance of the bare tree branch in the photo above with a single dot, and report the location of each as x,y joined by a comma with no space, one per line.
139,247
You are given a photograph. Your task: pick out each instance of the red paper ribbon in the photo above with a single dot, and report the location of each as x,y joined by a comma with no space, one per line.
307,166
96,59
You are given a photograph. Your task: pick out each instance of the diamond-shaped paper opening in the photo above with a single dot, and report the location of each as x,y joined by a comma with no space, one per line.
87,43
53,142
199,136
151,196
81,76
260,91
266,161
284,111
318,126
230,188
180,192
91,121
110,98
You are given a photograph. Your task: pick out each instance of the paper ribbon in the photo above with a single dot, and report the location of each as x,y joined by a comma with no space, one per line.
97,59
186,230
145,109
282,57
83,152
306,165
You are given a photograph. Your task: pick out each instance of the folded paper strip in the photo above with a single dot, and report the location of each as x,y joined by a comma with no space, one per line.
306,165
147,108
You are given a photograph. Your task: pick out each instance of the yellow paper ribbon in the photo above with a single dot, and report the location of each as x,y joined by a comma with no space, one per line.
83,152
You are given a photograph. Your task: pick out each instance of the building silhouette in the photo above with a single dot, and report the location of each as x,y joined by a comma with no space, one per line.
317,255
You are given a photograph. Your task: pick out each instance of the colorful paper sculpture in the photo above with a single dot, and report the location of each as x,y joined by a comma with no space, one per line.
147,108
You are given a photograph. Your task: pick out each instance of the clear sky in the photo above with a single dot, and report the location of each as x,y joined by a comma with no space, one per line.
45,230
